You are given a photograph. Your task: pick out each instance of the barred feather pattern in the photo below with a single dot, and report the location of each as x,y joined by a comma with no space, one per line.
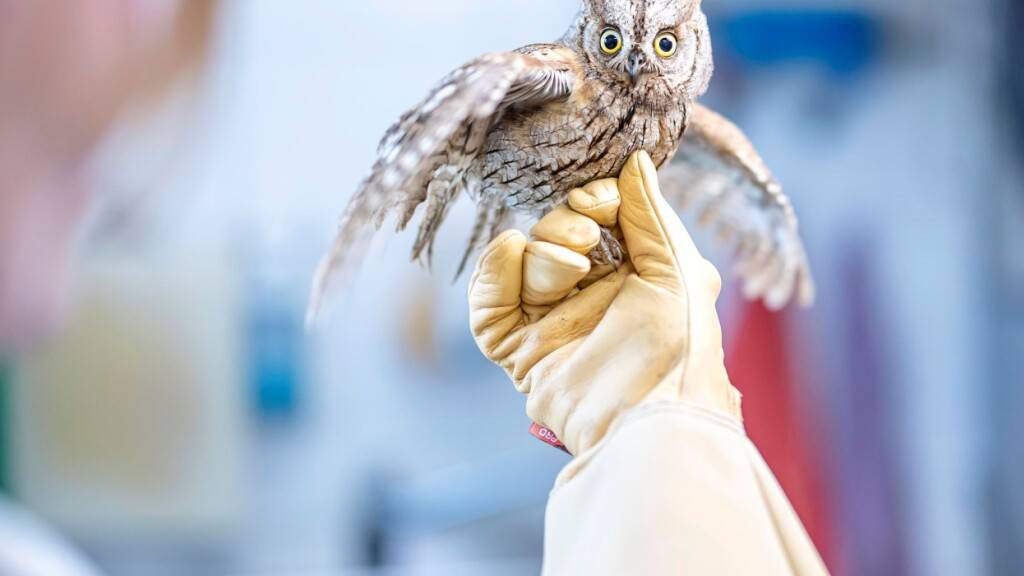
492,216
517,131
424,157
718,175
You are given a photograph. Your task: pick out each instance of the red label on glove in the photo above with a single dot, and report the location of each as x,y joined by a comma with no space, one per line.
547,436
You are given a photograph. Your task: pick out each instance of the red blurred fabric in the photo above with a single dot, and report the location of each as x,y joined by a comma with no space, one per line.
760,364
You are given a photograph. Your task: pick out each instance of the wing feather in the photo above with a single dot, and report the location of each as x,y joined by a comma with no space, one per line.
718,173
425,154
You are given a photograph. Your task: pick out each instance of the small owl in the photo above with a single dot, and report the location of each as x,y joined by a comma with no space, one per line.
517,131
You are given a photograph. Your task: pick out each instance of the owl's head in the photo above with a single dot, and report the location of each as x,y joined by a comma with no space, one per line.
659,48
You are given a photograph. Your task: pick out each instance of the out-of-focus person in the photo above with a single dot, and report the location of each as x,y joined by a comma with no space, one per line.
67,71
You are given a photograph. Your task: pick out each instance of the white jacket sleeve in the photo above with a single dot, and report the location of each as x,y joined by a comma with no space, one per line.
674,489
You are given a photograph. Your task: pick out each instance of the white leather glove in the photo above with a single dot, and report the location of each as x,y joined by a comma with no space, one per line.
626,367
645,333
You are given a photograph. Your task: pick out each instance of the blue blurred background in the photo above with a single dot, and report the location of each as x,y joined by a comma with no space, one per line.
181,421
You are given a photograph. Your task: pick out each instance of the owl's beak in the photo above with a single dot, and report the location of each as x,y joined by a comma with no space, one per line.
635,64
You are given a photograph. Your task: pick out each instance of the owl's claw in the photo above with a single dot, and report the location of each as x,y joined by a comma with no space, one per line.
609,250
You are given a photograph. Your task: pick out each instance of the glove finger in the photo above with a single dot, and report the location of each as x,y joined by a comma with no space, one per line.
656,240
597,271
570,229
551,272
570,320
598,200
495,290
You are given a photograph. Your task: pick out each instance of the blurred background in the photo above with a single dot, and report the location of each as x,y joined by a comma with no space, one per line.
170,415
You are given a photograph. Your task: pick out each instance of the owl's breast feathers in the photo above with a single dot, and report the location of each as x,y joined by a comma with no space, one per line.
521,129
534,155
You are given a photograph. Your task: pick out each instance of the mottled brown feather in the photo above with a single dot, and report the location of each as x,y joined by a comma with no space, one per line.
517,131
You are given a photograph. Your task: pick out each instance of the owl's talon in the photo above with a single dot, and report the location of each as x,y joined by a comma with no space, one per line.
609,250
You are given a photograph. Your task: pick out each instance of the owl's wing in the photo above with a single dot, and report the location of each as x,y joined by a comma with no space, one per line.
718,172
423,156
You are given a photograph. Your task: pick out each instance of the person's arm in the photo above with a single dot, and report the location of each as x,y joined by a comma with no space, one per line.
628,372
674,489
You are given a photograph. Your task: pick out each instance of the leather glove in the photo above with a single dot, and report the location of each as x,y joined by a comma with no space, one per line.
586,345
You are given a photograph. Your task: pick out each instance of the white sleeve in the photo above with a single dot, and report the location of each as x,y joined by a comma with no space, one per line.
674,489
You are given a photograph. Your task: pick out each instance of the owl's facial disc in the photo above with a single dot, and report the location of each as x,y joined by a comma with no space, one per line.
656,47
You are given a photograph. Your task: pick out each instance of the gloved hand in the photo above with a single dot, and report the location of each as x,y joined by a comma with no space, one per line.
585,351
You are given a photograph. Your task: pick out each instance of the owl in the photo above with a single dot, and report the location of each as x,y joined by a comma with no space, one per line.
517,131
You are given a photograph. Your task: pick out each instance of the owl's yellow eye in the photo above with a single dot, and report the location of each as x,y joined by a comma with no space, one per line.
611,41
665,44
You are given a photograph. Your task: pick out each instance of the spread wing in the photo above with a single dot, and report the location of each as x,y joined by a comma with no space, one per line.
719,173
423,157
